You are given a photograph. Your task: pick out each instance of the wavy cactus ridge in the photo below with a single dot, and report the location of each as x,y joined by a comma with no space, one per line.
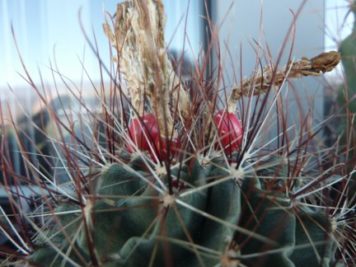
302,236
261,213
131,228
313,230
205,234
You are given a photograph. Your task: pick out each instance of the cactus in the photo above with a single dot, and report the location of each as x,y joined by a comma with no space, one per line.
131,224
347,96
27,143
348,57
170,180
130,220
347,92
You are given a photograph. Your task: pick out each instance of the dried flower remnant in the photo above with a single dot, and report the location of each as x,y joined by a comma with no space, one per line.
138,38
230,131
143,131
261,83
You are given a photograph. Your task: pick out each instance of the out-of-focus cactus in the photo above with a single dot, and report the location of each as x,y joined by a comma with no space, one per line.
348,58
347,97
26,147
347,92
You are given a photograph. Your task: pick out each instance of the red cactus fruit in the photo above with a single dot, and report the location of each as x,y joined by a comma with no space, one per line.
161,145
230,130
143,132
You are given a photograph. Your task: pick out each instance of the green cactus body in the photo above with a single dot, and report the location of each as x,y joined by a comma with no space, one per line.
298,238
130,224
347,92
347,96
131,227
264,214
313,242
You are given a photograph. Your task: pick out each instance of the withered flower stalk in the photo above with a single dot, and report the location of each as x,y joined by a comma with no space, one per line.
261,82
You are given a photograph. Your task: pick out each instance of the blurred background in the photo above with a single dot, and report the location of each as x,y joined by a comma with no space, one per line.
49,37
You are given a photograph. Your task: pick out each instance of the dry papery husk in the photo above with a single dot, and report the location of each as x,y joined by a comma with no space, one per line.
138,37
261,82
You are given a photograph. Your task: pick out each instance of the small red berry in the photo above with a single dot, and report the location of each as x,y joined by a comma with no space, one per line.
178,185
161,145
143,132
230,130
